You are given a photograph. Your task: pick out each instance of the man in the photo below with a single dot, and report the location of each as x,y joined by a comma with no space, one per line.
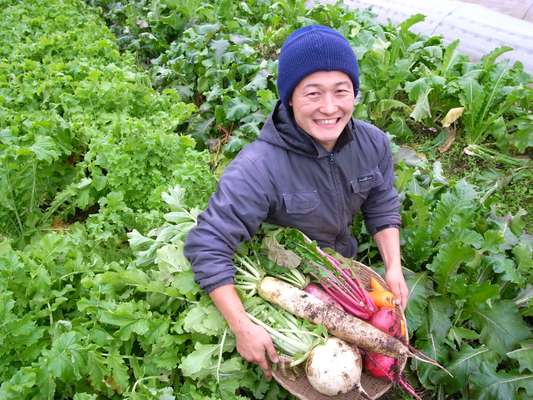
313,167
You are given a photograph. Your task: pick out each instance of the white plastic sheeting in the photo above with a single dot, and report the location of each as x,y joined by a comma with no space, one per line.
522,9
479,29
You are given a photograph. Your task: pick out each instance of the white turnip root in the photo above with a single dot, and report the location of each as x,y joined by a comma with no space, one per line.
334,368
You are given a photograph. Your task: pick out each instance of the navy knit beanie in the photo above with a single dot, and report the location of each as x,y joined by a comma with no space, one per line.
310,49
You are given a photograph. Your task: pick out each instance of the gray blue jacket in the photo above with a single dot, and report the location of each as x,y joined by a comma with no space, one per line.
286,178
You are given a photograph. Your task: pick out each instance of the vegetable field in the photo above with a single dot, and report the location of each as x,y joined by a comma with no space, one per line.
117,117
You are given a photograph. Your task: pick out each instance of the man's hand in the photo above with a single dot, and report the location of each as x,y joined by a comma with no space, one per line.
395,280
255,345
388,242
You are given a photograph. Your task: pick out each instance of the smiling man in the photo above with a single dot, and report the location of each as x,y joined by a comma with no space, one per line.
314,168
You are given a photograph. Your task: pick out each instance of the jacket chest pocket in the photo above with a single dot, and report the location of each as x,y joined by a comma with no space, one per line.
362,185
301,203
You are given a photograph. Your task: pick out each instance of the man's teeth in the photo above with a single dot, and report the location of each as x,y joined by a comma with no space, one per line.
327,121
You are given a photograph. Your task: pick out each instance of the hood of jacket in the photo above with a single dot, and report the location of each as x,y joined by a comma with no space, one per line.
281,130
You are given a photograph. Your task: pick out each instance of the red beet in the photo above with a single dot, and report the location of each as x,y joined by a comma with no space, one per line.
382,366
387,320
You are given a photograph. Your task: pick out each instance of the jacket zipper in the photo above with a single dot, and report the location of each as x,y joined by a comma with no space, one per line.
339,208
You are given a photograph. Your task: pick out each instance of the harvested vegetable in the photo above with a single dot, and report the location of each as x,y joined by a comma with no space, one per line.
337,322
382,366
291,336
375,285
387,320
337,281
382,298
335,368
319,293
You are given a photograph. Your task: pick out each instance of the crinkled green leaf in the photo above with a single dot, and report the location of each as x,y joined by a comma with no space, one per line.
185,283
119,378
447,262
505,266
65,359
200,362
45,149
204,319
237,109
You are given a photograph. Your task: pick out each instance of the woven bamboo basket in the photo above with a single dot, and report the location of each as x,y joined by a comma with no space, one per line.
295,381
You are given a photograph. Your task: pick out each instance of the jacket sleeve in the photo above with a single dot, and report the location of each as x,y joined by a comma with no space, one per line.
382,206
233,215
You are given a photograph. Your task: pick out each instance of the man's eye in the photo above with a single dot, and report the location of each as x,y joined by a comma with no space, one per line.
313,94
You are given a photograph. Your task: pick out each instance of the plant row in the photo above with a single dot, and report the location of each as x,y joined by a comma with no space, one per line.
91,151
222,56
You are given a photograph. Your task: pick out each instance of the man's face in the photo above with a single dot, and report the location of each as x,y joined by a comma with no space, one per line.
323,104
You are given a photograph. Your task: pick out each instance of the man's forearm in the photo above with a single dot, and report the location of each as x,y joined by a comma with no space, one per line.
230,306
388,242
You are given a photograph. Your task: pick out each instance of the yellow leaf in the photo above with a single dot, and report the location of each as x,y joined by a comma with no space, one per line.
453,115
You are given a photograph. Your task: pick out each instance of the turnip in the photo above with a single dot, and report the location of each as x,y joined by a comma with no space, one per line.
334,368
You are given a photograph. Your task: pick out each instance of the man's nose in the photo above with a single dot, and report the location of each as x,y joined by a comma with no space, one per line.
328,105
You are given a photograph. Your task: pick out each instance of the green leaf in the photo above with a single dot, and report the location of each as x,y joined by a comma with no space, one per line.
501,326
172,257
524,258
237,109
451,57
119,379
464,364
84,396
204,319
447,261
219,46
199,363
419,293
524,356
65,359
505,266
97,369
18,385
412,20
492,385
128,318
45,149
422,109
184,282
458,334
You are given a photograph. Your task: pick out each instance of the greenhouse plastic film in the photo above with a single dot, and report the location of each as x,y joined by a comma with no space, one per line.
479,29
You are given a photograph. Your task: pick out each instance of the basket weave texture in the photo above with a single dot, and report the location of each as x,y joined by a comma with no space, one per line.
295,381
